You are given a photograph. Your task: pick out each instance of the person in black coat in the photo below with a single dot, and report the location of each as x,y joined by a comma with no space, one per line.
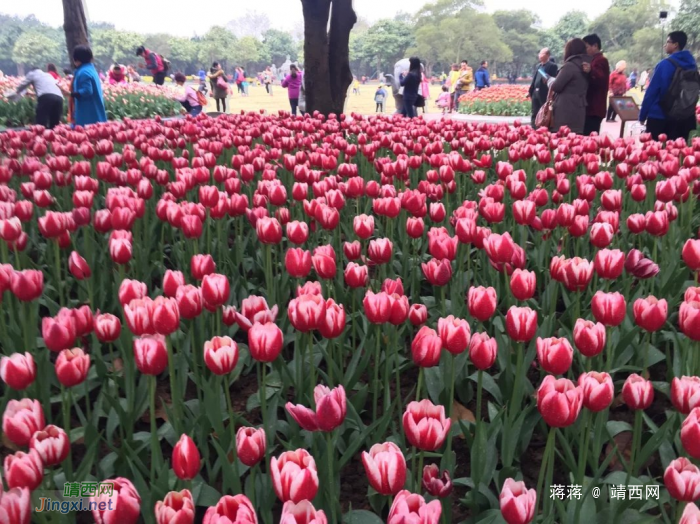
538,88
411,83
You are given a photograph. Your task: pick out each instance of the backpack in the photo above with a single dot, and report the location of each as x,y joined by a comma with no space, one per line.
202,99
166,64
680,100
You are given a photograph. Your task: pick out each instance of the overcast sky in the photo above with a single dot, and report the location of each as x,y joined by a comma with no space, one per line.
194,17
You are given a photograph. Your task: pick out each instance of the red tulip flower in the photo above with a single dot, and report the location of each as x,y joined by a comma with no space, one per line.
24,470
16,504
72,366
52,445
138,315
202,265
598,390
689,319
330,410
78,266
385,466
363,225
176,508
265,341
685,393
523,284
682,480
18,370
576,273
302,513
438,485
254,309
554,355
150,354
172,280
297,261
499,248
306,312
122,506
186,458
426,347
215,290
608,308
324,262
455,334
269,230
589,337
21,419
59,332
690,433
189,301
609,263
559,401
410,507
235,509
250,445
691,254
294,476
425,425
356,275
352,250
650,313
131,290
297,232
437,272
518,504
380,250
637,392
221,355
107,327
165,315
481,302
333,322
521,323
417,314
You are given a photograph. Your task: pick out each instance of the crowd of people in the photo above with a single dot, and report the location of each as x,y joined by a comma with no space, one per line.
580,93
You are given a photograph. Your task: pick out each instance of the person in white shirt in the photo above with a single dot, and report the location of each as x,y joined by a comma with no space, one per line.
49,99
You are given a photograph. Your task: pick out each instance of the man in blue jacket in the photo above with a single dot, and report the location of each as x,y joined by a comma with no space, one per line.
651,111
482,76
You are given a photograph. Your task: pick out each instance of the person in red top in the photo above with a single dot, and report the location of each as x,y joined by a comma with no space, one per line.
618,86
154,63
598,78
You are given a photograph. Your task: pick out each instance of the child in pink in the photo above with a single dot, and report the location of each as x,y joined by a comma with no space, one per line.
443,101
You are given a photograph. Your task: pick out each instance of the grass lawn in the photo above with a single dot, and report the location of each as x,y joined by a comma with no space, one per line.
362,103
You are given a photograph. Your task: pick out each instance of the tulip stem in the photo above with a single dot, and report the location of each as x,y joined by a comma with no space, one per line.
68,462
636,440
262,392
155,448
547,465
330,456
253,480
59,280
444,302
476,473
420,384
584,440
232,425
375,393
175,397
87,398
311,363
397,373
419,472
268,274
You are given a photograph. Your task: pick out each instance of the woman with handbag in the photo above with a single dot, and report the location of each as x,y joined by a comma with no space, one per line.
569,89
219,86
411,83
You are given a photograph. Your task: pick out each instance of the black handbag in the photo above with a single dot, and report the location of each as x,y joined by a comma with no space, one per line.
420,101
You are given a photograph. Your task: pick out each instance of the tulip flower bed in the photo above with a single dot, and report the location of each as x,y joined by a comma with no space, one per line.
304,320
121,101
497,100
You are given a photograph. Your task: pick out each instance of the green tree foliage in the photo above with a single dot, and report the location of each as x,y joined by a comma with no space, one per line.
33,48
688,20
383,44
616,27
518,29
573,24
110,46
217,45
278,45
246,52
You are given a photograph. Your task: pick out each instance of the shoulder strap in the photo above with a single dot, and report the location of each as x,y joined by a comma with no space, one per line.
676,64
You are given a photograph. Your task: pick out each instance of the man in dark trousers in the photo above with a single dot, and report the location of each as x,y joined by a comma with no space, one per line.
538,88
598,79
154,63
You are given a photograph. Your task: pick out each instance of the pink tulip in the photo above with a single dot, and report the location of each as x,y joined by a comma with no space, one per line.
385,466
294,476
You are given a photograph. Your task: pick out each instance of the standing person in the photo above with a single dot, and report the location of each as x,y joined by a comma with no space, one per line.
443,78
424,88
293,85
571,86
87,103
267,80
51,69
117,74
538,88
154,63
643,79
49,99
411,83
618,87
202,74
633,79
238,79
598,78
355,86
482,76
219,86
465,82
379,98
244,82
452,81
190,99
672,96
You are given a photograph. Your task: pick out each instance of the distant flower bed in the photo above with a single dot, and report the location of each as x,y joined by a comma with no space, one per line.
498,100
133,100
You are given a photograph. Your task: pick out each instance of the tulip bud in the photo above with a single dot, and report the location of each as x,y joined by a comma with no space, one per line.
437,272
202,265
265,341
176,508
150,354
221,355
589,337
481,302
425,425
417,314
685,393
385,467
637,392
356,275
172,280
521,323
518,503
52,445
294,476
231,509
72,366
297,261
691,515
24,470
554,355
559,401
333,322
650,313
18,370
410,507
186,459
426,347
107,327
598,390
78,267
250,445
682,480
121,506
608,308
21,419
16,503
523,284
455,334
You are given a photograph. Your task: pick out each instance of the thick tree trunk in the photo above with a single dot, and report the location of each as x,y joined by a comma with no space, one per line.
74,25
327,53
